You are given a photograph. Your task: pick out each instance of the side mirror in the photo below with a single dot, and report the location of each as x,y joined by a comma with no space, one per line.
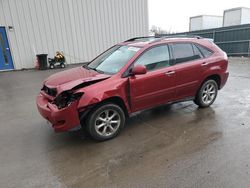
138,69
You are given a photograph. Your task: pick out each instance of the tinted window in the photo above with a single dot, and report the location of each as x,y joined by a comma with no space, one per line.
197,52
155,58
204,51
184,52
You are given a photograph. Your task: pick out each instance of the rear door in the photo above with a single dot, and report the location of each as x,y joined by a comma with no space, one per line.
189,67
157,86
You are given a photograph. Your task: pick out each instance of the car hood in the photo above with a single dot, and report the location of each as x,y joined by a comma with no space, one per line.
71,78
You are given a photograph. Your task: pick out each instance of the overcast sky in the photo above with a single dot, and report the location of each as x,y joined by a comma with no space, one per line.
174,14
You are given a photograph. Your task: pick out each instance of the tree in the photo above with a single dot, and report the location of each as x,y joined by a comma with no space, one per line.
158,31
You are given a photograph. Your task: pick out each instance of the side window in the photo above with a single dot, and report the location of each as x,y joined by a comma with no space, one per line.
184,52
197,52
155,58
206,52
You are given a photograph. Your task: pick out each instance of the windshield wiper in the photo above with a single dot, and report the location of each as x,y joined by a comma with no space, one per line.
99,71
85,66
90,68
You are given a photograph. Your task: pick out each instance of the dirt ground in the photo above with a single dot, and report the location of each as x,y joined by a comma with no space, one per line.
174,146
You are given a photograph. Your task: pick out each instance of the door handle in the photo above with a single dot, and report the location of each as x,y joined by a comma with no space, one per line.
169,73
204,64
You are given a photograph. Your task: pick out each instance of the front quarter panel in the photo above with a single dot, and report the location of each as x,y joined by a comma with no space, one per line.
99,92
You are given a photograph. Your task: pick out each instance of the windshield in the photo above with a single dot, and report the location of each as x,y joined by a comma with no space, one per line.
111,61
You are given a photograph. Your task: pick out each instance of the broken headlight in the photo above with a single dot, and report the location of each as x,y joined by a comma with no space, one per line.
65,98
49,91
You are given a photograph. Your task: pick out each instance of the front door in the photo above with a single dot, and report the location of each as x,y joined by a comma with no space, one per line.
157,86
5,55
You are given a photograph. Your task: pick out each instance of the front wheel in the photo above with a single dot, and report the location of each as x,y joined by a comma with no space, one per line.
207,94
105,122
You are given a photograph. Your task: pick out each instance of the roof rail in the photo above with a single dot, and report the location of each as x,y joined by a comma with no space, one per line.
178,36
181,36
146,37
160,37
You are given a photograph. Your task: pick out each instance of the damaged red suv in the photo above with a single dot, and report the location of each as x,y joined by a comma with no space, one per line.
134,75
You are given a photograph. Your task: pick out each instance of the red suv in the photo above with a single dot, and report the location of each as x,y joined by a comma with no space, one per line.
134,75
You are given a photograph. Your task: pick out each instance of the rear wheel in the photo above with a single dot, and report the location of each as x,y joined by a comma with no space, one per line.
105,122
207,94
51,66
62,65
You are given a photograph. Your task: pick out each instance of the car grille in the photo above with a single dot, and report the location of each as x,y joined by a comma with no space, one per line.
49,91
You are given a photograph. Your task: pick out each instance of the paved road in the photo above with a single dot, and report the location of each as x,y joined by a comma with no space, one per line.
170,146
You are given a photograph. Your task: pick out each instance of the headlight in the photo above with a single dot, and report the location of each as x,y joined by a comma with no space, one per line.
66,98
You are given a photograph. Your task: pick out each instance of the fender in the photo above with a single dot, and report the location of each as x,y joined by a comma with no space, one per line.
97,93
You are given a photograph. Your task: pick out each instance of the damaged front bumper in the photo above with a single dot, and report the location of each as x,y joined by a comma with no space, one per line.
65,119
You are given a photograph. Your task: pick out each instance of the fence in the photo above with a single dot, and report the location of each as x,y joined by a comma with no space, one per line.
234,40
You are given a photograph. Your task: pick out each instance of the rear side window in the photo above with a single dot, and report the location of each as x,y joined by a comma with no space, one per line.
197,52
155,58
184,52
206,52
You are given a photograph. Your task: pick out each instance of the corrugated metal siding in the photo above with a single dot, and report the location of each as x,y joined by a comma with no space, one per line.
80,28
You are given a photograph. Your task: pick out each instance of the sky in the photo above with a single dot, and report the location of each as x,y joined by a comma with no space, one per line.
173,15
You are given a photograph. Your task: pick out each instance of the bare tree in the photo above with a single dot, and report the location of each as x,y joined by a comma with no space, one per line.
158,30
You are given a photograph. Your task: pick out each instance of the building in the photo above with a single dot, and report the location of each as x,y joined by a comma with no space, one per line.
236,16
205,22
80,28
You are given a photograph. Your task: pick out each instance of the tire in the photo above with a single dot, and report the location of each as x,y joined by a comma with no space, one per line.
105,122
207,94
62,65
51,66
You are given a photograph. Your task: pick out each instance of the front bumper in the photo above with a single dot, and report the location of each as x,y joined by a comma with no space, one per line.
62,120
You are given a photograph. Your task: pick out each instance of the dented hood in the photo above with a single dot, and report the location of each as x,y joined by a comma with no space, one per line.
68,79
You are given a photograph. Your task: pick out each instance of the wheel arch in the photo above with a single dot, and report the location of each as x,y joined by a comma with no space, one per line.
215,77
115,99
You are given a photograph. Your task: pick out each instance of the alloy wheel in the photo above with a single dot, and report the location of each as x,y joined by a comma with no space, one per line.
208,93
107,122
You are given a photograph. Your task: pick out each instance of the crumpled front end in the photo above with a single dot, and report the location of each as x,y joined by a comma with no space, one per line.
62,119
59,97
